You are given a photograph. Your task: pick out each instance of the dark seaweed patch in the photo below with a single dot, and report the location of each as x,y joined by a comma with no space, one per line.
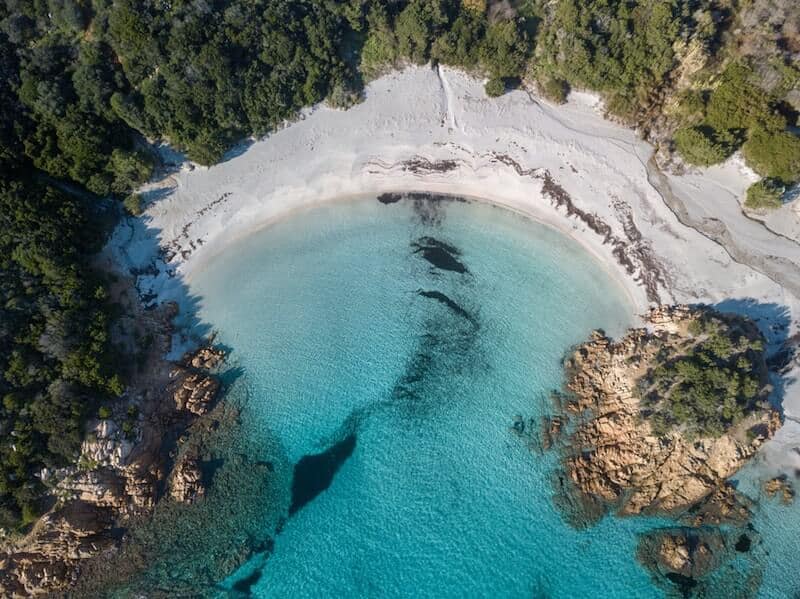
246,584
390,198
428,207
685,584
314,473
743,544
443,299
439,254
432,241
430,213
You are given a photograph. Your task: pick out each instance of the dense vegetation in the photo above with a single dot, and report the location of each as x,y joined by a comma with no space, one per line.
55,355
708,382
89,84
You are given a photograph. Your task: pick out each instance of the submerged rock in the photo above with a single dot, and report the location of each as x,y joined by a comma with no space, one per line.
780,487
446,301
314,473
186,482
440,254
702,562
680,557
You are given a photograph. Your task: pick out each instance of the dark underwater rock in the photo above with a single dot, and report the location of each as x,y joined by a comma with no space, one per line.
440,254
446,301
390,198
314,473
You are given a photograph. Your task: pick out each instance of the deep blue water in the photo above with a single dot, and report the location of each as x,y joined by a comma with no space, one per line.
385,351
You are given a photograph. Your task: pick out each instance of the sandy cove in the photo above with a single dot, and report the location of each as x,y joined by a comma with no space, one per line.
665,238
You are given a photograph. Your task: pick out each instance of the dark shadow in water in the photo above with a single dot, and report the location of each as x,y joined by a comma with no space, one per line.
684,584
245,585
432,241
314,473
443,299
439,254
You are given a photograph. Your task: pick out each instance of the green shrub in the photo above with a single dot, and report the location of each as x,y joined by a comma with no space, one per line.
773,154
129,170
104,412
764,194
701,146
343,96
738,103
495,87
29,514
504,49
553,88
133,204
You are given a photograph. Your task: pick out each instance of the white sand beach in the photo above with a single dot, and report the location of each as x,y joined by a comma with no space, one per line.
665,238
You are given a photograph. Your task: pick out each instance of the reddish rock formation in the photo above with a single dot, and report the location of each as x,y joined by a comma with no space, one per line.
118,478
780,487
615,457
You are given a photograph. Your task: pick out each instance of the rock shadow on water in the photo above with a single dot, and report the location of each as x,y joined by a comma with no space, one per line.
245,585
314,473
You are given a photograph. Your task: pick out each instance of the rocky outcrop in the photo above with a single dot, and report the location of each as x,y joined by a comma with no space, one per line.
656,423
117,477
51,559
193,392
780,487
206,358
616,458
186,482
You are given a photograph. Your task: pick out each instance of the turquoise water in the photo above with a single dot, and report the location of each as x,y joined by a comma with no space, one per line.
384,352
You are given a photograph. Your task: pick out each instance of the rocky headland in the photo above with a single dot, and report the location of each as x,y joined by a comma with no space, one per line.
657,423
125,461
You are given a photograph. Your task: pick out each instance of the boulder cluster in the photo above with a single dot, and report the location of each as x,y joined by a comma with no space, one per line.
117,477
615,460
615,457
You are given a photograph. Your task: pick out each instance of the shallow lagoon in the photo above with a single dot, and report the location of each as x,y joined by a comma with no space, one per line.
385,350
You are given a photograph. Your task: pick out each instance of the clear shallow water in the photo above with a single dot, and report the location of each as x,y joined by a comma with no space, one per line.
403,379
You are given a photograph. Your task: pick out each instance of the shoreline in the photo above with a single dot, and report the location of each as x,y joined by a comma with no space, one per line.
629,289
434,131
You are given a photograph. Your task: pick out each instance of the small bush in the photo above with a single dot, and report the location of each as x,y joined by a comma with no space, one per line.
764,194
133,204
104,412
701,146
477,6
29,514
554,89
495,87
343,96
773,154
